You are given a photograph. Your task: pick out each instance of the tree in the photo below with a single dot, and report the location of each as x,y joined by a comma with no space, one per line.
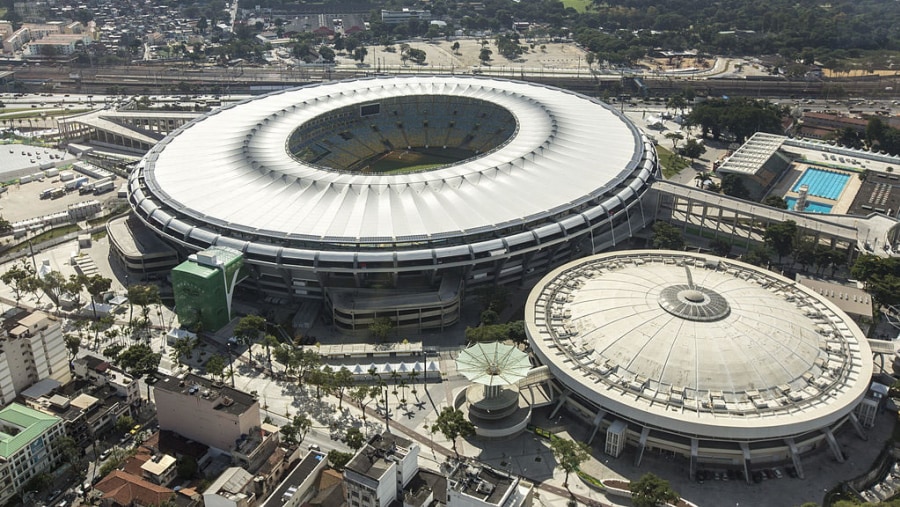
360,54
69,450
720,247
112,352
417,55
674,137
215,366
139,360
758,255
693,149
569,455
650,491
452,423
733,185
73,344
269,341
780,237
381,327
248,330
326,53
341,380
15,278
339,460
124,423
667,237
96,285
54,284
775,201
354,438
485,55
455,47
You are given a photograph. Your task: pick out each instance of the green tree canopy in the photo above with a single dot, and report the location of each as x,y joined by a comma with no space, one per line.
452,423
666,236
651,491
569,455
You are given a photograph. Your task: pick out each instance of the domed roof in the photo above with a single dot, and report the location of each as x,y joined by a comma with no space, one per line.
690,332
233,167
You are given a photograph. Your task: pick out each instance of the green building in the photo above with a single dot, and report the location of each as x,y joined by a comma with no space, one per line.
28,447
204,285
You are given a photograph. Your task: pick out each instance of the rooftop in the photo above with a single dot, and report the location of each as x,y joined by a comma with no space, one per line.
126,489
376,457
751,156
294,479
480,482
226,398
691,341
20,425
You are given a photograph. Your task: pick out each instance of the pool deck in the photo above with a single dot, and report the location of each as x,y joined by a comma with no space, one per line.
839,206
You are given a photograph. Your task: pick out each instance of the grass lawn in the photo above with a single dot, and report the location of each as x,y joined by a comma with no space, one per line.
671,164
578,5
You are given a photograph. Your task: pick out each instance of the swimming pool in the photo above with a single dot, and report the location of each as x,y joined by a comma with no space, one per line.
811,206
822,183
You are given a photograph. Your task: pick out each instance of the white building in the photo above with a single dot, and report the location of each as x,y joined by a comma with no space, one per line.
233,488
32,348
717,360
377,474
471,485
402,16
101,373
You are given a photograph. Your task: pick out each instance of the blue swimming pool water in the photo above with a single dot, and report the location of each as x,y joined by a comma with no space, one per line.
822,183
811,206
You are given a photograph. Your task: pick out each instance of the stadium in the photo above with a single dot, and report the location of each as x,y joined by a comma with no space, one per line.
720,362
391,197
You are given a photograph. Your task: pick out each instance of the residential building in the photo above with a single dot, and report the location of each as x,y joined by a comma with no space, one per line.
32,348
380,470
56,45
159,469
233,488
28,441
121,489
101,373
471,485
208,412
301,484
87,410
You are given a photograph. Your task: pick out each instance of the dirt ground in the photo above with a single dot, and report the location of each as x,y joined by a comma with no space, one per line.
439,55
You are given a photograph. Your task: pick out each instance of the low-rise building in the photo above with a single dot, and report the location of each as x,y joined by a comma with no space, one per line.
380,470
402,16
470,485
101,373
233,488
28,447
300,485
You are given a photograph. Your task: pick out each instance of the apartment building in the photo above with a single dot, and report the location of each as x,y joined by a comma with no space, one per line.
28,440
32,348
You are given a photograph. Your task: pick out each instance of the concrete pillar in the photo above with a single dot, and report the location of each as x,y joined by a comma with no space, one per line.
833,445
695,452
642,443
854,421
745,450
795,457
598,418
562,399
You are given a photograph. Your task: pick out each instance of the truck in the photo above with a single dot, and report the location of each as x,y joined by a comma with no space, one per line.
45,194
57,193
103,187
77,183
66,176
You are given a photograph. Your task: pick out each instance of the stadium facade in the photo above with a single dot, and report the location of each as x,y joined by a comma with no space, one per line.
721,362
519,178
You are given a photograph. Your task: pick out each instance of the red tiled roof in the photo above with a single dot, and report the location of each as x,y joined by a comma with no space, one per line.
125,489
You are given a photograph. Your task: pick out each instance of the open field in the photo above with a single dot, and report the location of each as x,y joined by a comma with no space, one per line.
545,56
416,159
578,5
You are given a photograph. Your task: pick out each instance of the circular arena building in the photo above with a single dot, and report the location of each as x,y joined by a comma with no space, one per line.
389,197
721,362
